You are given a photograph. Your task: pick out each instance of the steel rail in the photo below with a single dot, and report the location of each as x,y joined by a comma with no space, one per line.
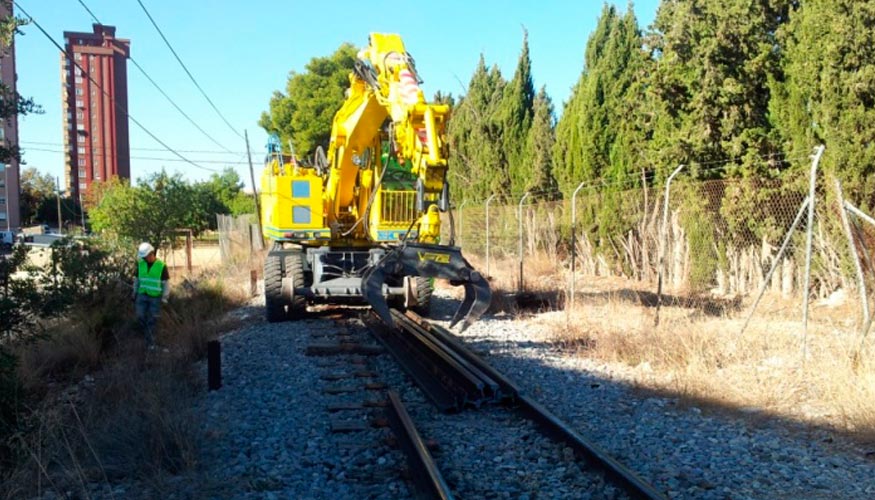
615,471
427,479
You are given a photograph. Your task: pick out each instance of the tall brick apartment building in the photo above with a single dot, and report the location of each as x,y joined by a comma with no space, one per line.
10,211
95,119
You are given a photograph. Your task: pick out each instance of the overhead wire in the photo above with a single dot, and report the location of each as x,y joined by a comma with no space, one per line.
98,153
158,87
201,151
98,86
187,72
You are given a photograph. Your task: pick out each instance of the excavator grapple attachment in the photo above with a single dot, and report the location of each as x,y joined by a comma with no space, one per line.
431,261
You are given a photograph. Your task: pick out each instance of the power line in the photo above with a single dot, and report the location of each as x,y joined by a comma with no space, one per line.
201,151
98,153
93,81
137,65
196,84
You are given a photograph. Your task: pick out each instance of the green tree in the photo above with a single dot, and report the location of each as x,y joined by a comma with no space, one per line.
516,120
539,150
475,133
305,111
826,93
150,211
710,83
580,152
36,188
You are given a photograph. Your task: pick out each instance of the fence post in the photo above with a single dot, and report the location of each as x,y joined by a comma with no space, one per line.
662,242
521,250
818,152
856,211
574,240
488,200
775,263
461,212
861,283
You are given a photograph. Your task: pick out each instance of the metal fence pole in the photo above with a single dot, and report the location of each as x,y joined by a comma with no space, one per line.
818,152
488,200
856,211
858,269
521,250
574,241
775,263
461,213
662,242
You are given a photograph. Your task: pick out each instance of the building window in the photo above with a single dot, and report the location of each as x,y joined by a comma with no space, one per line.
83,186
81,151
2,215
2,200
81,139
81,172
81,162
2,133
80,103
79,115
78,79
78,90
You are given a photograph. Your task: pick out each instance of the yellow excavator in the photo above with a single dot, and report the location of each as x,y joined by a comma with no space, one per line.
362,223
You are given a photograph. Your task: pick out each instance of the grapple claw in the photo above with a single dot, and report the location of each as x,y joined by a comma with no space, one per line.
372,290
431,261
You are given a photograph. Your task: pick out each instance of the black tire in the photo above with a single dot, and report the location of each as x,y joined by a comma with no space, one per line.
422,289
294,269
273,290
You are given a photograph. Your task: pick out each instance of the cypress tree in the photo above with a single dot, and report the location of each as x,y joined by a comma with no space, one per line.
516,120
827,94
475,138
539,148
710,83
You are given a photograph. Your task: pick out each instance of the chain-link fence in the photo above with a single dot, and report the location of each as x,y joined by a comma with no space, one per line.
240,239
720,236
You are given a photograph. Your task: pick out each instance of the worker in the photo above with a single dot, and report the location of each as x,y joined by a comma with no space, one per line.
151,289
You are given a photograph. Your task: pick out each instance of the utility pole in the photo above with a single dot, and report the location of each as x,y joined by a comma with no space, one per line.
60,222
252,177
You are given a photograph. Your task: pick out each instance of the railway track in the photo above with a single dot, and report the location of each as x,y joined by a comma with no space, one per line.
455,379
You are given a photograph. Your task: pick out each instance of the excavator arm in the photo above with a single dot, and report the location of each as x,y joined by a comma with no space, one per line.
385,125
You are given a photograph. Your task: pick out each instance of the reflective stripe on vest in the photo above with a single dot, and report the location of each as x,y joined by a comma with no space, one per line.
150,278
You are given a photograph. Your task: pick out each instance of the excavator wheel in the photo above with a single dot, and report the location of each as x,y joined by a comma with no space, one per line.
273,290
422,290
294,270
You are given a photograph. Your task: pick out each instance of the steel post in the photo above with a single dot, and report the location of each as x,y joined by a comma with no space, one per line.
520,229
574,241
488,200
818,152
662,242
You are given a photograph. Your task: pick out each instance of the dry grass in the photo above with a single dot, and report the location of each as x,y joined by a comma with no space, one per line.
697,353
106,410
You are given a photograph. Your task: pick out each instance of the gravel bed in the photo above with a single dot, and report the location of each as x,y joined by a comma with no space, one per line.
683,452
268,429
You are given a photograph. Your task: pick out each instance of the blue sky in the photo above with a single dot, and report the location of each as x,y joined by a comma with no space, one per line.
240,52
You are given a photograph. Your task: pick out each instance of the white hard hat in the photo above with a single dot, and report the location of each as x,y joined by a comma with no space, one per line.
144,250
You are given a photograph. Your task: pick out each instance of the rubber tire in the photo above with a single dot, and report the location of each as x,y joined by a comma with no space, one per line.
422,290
294,269
273,290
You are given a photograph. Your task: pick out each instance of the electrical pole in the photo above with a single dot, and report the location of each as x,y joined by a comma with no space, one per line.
252,177
60,222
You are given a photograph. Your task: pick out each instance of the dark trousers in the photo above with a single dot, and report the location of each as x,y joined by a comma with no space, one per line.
148,309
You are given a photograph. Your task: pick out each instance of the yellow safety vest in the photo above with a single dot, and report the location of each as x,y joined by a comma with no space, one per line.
150,278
